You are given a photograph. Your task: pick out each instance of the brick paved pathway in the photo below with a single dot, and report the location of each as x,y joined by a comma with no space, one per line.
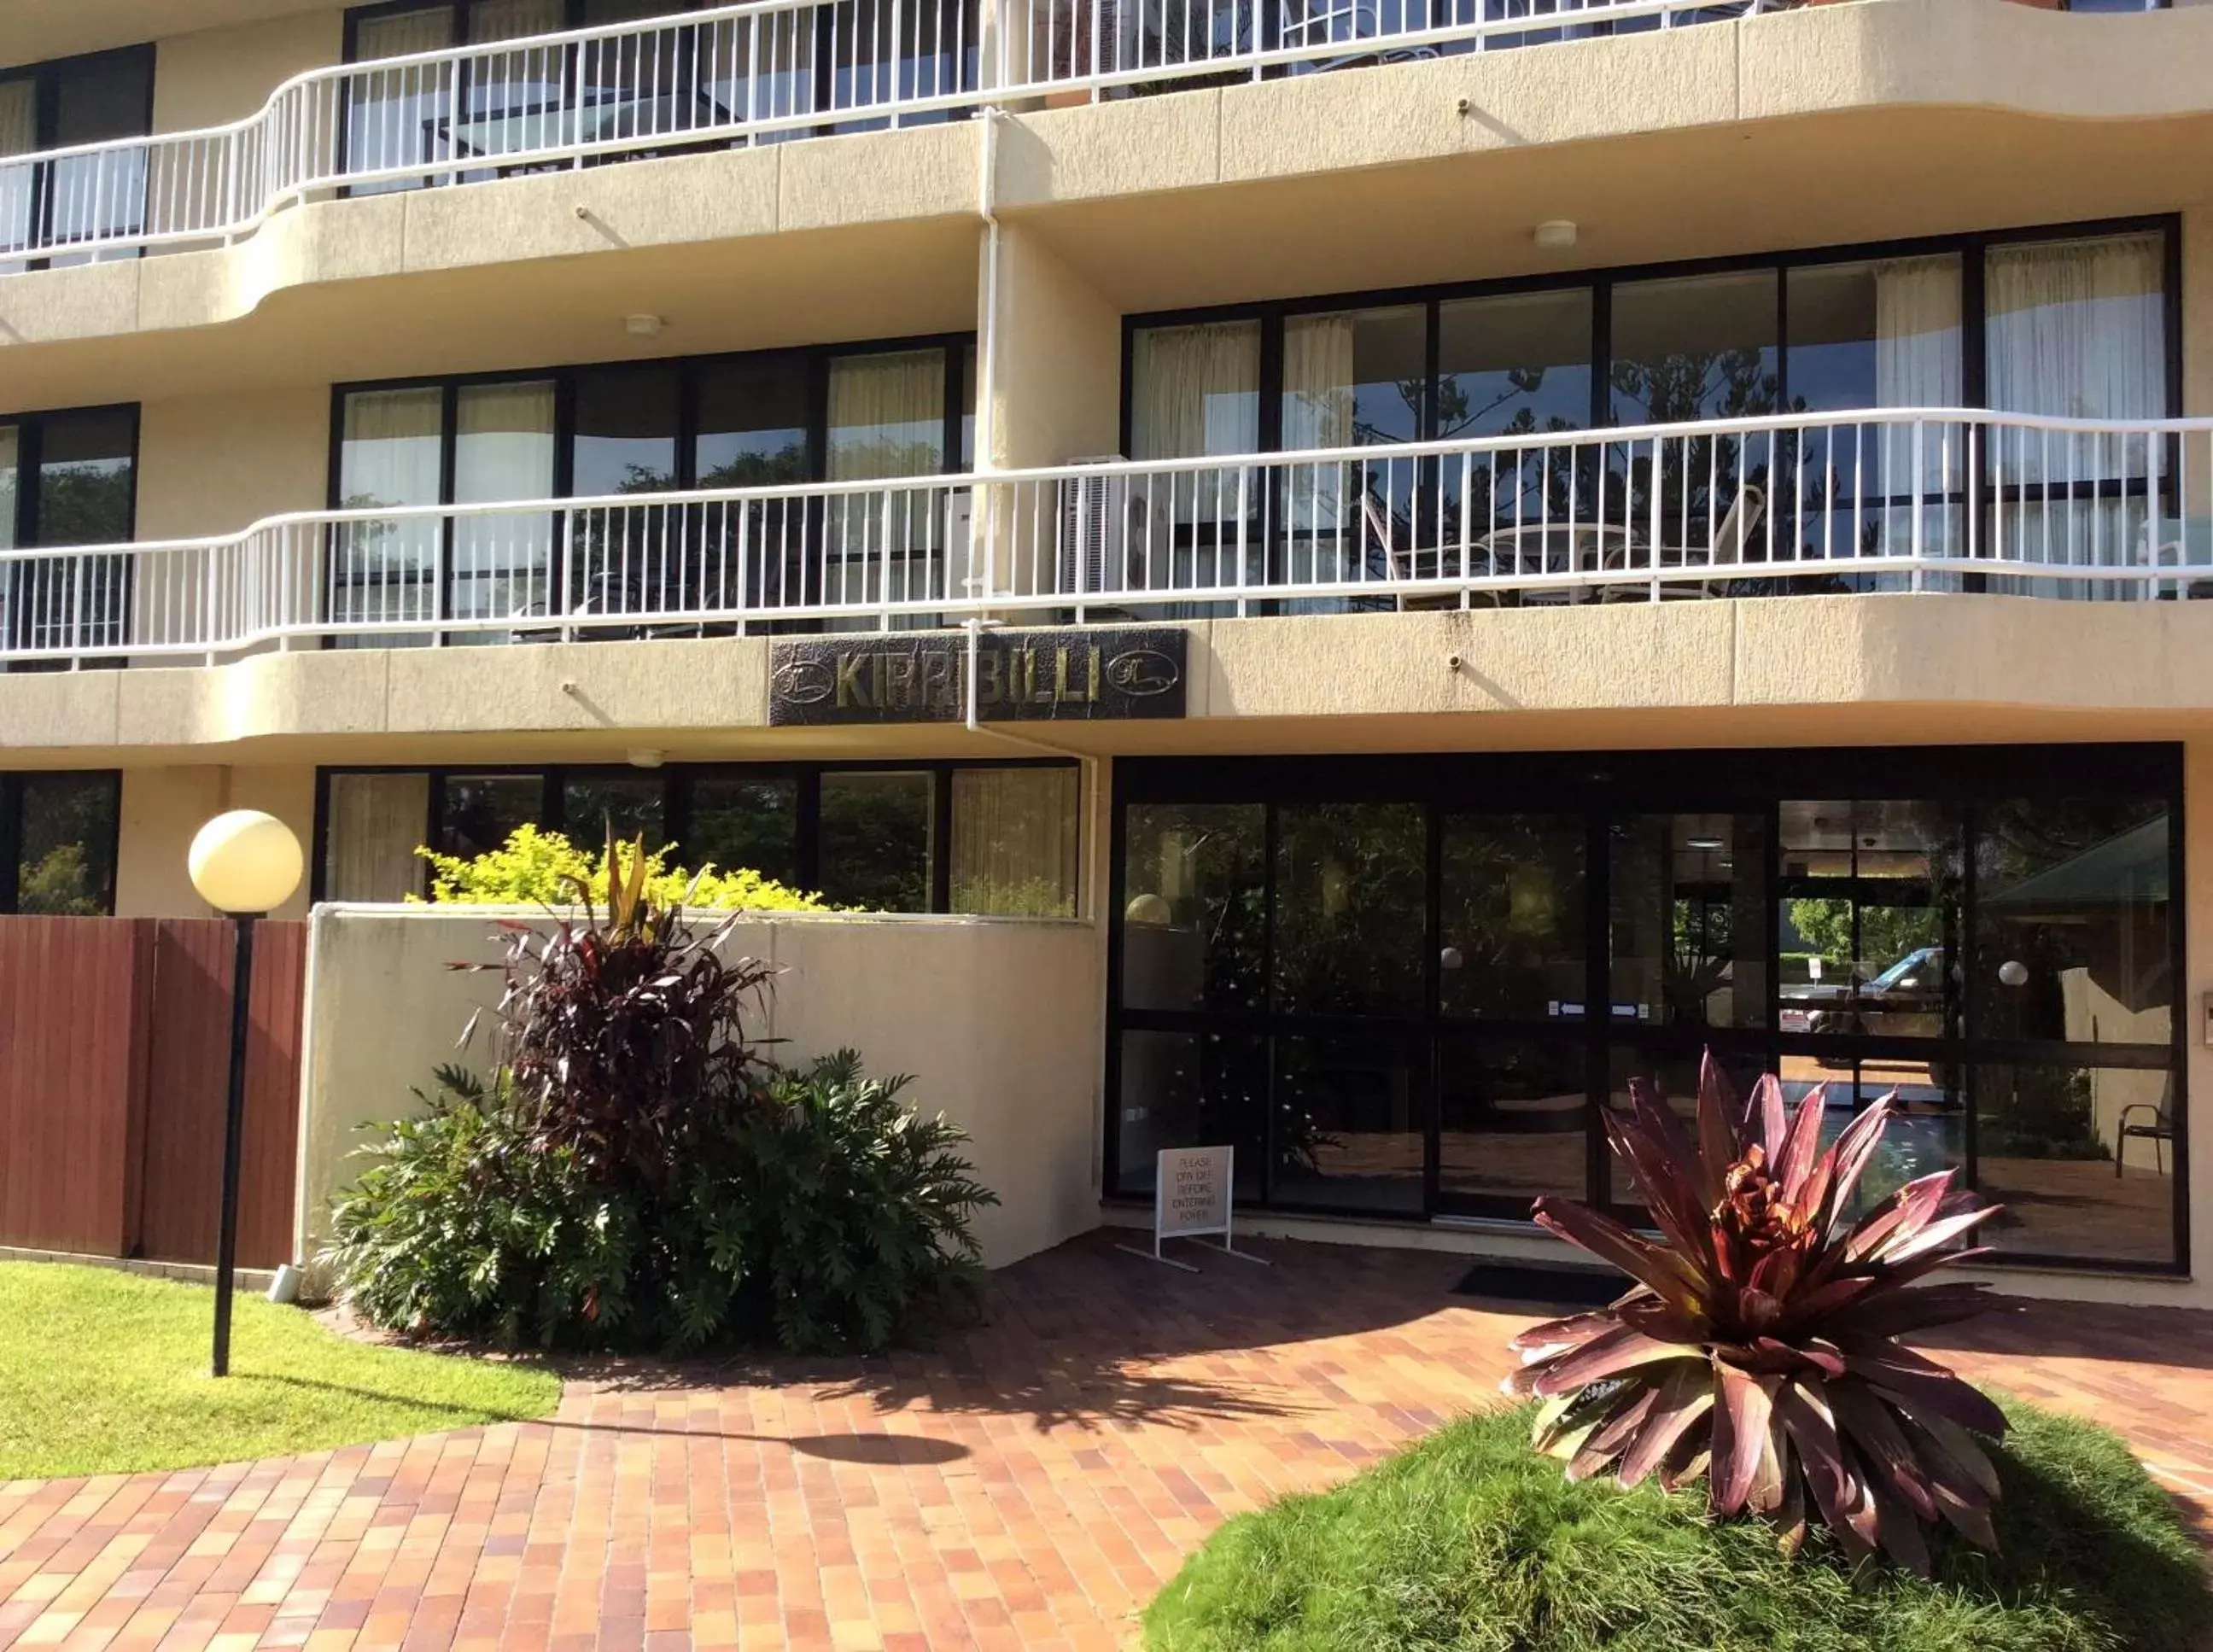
1030,1486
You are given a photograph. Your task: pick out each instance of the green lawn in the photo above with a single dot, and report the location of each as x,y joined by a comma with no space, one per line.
1470,1542
103,1372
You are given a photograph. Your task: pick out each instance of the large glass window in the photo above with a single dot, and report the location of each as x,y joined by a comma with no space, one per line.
57,835
641,430
68,478
1015,842
997,839
878,832
1469,958
63,105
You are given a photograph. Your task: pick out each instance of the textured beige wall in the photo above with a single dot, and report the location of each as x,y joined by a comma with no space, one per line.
1059,358
213,76
929,996
1745,671
163,807
213,464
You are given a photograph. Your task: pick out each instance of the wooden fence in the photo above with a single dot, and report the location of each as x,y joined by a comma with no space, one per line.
114,1049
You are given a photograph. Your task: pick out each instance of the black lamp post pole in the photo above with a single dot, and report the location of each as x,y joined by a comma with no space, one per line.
233,1134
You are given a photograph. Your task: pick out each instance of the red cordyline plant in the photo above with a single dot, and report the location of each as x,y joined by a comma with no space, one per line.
1759,1344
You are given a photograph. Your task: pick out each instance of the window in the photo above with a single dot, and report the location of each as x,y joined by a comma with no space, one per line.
610,432
2075,325
1412,984
62,105
67,479
57,843
994,839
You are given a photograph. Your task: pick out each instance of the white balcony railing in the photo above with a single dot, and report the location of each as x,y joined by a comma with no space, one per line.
771,70
1906,500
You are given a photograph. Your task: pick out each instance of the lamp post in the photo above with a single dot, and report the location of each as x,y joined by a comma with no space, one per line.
243,864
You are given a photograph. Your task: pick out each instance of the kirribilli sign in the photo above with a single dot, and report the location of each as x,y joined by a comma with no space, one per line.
1021,676
1192,1196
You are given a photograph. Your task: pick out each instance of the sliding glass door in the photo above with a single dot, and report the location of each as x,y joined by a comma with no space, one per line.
1409,987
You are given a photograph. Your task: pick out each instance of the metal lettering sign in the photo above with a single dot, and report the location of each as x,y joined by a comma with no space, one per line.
1021,676
1190,1197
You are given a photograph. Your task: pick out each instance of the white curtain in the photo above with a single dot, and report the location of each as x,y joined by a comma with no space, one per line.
1918,330
1318,409
387,570
1015,842
887,415
1197,394
10,444
2077,329
376,821
391,112
887,420
503,449
19,134
513,20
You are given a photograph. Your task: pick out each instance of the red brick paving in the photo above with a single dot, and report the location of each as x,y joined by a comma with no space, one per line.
1028,1487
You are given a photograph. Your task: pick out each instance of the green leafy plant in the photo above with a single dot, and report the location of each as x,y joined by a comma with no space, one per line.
840,1217
535,868
466,1225
1759,1345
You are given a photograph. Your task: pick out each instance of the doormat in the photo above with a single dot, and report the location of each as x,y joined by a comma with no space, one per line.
1535,1282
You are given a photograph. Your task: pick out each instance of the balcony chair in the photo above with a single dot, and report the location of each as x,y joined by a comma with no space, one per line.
2158,1129
1403,564
1736,530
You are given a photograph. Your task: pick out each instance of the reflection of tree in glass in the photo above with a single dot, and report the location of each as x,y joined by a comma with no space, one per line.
59,885
1349,894
875,838
1887,934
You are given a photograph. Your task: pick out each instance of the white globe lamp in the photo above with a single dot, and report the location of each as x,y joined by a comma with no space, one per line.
243,864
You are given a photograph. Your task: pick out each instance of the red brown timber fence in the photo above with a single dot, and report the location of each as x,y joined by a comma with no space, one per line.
114,1041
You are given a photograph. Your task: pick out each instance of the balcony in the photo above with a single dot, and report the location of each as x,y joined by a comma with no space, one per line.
1903,500
773,71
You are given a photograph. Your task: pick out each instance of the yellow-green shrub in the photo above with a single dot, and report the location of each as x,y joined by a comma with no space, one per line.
534,867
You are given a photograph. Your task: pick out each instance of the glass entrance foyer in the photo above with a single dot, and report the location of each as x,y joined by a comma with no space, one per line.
1403,987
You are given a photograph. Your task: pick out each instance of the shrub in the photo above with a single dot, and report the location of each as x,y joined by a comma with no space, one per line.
1470,1541
1759,1345
634,1176
622,1030
466,1225
534,867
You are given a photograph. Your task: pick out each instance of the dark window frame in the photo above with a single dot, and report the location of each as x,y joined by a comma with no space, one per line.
1607,787
11,831
678,782
1601,280
46,77
692,371
30,448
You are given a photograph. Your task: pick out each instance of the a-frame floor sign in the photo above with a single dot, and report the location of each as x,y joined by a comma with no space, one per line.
1191,1200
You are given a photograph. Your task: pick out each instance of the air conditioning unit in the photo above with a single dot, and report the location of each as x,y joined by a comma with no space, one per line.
1093,532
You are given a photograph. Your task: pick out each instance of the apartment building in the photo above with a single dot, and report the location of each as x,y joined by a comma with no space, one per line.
1486,545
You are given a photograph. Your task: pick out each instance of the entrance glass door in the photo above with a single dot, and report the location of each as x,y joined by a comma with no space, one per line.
1512,1053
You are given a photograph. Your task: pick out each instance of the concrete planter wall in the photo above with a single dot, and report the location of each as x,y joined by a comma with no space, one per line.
998,1020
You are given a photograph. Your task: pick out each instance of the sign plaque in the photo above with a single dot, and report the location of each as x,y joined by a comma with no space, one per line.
1021,676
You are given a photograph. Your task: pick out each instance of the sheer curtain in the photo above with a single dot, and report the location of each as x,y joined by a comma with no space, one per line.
391,114
1197,394
887,418
19,134
1317,408
376,821
386,570
10,465
503,449
1015,842
1918,331
2077,329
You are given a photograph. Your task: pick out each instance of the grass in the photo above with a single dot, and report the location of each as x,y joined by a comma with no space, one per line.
1469,1540
103,1372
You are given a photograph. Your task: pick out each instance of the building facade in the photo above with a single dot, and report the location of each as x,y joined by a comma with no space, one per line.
1485,546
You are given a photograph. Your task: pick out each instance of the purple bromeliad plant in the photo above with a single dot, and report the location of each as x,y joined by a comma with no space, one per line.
1759,1345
